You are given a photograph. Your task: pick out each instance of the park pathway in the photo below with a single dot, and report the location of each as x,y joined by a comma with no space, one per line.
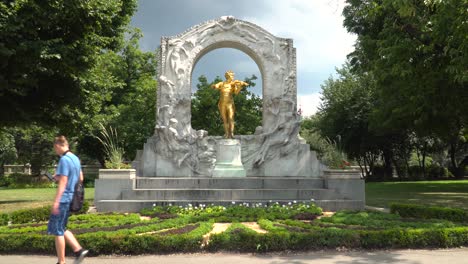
441,256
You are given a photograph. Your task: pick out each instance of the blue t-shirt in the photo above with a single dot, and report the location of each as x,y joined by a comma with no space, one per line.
69,166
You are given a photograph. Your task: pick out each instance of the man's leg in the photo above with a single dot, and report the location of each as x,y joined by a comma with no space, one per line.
71,241
79,251
60,248
231,122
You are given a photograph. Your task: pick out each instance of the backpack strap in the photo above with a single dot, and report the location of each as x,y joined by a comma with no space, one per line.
77,168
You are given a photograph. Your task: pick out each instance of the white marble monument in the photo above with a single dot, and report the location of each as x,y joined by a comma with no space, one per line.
177,150
179,165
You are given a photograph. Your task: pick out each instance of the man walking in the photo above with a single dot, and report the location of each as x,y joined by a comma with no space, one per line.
67,175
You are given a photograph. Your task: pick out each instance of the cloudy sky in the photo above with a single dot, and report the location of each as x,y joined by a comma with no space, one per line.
314,25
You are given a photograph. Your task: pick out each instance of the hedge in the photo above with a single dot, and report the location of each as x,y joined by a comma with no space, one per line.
110,243
429,212
33,215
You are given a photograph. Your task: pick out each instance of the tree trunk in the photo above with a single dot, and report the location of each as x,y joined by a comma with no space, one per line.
387,155
2,169
424,154
457,169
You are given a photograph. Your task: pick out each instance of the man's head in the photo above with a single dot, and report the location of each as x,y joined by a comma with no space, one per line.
60,145
229,75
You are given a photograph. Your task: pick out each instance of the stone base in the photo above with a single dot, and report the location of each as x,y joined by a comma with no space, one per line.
228,162
132,195
347,183
121,174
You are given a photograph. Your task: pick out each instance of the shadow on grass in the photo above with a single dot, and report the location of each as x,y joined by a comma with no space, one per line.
438,193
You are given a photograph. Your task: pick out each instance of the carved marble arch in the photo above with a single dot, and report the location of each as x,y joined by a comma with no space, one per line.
231,45
274,56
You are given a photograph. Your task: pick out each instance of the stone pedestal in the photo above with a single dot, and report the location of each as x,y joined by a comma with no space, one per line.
348,184
228,159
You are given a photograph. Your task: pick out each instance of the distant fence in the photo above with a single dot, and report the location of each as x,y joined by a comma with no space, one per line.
26,169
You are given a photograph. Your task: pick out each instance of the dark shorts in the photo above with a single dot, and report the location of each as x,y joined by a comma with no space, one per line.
58,223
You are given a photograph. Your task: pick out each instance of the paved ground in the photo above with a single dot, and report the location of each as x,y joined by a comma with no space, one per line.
451,256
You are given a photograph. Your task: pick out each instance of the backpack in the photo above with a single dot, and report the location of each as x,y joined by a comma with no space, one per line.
78,198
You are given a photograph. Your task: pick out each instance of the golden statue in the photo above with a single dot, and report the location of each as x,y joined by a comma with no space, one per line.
226,102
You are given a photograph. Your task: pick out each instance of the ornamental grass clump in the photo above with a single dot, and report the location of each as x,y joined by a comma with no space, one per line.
112,150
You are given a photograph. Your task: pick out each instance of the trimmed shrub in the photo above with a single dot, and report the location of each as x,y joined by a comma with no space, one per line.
30,215
429,212
4,218
37,215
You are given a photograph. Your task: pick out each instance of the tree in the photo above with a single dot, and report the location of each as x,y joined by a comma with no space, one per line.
121,90
45,47
205,113
7,150
34,145
417,52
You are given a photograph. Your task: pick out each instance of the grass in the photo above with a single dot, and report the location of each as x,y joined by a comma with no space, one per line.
379,194
16,199
435,193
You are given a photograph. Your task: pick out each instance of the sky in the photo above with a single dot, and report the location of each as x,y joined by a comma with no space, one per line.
316,27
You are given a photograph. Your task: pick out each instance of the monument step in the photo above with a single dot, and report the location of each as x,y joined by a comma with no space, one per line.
229,194
137,205
229,183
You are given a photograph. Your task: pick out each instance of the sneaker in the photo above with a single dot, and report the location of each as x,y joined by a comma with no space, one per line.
80,255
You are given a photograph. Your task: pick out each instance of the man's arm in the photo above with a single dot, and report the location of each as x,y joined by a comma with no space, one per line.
81,176
238,85
62,183
217,85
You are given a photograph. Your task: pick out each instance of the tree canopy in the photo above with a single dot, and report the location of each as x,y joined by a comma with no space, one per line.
417,51
404,90
46,46
121,92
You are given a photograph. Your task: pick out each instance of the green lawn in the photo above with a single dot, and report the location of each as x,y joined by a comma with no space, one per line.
15,199
436,193
380,194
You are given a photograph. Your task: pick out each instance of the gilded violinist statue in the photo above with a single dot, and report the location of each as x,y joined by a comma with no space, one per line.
226,102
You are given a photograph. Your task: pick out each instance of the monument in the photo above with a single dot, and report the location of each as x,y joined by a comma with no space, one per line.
181,165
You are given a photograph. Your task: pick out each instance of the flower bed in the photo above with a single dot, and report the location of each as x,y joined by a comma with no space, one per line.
182,229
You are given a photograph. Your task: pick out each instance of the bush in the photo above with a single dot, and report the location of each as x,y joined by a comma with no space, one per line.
38,214
434,171
20,180
128,234
4,218
242,212
432,212
30,215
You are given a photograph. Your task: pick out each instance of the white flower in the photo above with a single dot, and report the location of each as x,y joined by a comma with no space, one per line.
289,203
233,202
170,204
154,205
312,199
294,202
